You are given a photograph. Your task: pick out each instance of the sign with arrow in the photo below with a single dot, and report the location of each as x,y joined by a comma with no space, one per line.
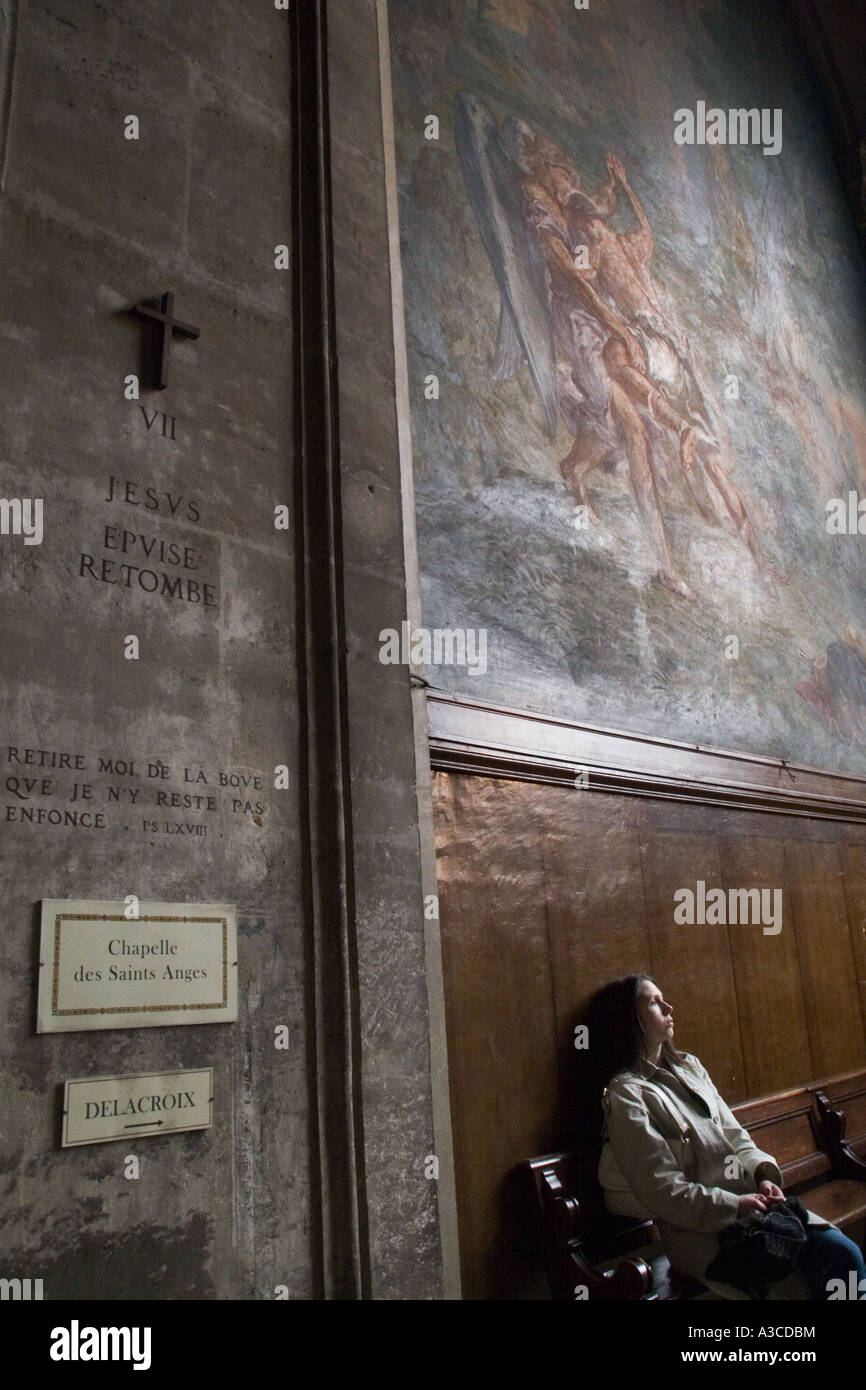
98,1109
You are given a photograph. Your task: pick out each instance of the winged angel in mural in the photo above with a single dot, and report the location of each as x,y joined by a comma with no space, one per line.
580,307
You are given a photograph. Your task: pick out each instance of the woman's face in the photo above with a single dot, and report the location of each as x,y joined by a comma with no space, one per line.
655,1015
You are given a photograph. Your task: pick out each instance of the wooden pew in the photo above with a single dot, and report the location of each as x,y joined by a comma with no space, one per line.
579,1236
792,1126
805,1131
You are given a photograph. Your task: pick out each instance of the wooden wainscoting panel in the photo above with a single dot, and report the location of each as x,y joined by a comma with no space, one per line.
500,1018
770,1000
853,860
692,962
593,893
827,961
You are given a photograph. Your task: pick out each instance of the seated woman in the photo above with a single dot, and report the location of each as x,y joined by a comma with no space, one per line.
673,1151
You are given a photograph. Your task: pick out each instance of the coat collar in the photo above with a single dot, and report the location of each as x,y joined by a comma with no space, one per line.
685,1074
649,1069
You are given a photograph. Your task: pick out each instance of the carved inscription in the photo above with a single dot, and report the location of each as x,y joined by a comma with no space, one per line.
43,788
136,556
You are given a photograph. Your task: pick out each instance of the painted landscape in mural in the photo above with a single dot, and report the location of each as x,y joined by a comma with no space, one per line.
634,314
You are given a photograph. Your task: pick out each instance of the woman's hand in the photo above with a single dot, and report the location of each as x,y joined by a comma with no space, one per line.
750,1203
770,1195
771,1191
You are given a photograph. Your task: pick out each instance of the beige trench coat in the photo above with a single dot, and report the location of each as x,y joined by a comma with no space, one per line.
666,1141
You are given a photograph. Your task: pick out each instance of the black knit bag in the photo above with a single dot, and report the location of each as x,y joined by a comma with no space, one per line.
755,1251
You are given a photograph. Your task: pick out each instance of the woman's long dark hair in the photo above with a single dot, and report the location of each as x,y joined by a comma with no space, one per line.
615,1042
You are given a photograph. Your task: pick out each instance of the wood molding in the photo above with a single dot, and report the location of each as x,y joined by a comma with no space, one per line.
489,740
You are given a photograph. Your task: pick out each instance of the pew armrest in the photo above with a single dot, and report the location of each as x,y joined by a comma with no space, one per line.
845,1162
568,1264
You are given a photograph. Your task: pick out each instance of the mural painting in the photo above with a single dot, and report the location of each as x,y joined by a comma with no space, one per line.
645,330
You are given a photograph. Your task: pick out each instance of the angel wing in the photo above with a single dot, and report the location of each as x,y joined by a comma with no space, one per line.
495,187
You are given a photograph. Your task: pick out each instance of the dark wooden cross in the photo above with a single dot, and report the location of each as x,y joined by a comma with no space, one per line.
169,325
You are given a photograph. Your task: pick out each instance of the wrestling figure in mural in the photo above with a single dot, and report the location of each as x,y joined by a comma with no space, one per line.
580,307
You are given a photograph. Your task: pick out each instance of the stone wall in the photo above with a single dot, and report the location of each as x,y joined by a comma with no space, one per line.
92,223
147,767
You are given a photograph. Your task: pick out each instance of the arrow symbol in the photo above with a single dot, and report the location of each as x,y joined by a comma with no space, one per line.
146,1124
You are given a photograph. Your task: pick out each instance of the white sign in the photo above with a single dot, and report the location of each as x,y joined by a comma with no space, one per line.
170,963
97,1109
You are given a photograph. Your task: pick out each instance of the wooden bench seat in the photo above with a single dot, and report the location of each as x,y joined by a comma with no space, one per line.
842,1201
620,1258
